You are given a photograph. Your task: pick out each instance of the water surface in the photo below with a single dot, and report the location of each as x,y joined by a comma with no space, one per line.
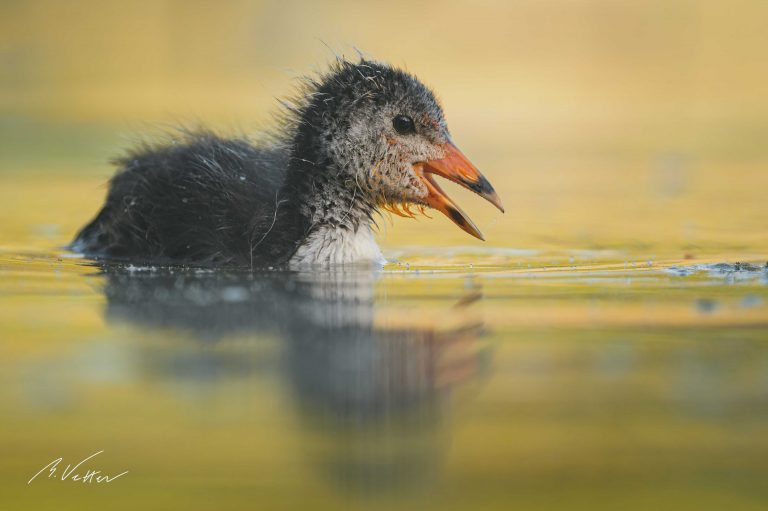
500,379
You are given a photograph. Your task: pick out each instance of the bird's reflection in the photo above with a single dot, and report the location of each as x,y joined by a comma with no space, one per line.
371,398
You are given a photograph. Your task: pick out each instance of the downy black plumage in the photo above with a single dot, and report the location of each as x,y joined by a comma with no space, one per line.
360,137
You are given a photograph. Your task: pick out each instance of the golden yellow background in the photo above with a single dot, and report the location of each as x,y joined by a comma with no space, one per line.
601,122
624,136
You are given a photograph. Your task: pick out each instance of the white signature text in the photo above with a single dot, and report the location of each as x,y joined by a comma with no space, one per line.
74,473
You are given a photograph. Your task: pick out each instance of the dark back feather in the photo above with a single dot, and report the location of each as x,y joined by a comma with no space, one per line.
201,200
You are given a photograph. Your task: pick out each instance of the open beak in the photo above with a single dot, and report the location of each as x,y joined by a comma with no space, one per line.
457,168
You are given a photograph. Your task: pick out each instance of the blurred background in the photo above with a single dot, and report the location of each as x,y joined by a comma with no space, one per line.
604,349
602,122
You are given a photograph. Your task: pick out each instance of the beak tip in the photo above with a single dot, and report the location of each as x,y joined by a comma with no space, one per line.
494,199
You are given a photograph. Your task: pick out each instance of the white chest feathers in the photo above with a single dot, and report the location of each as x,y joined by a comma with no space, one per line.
328,245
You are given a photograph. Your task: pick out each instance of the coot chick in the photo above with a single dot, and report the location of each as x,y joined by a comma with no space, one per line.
361,137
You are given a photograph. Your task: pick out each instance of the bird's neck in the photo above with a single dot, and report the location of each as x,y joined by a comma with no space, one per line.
337,216
328,245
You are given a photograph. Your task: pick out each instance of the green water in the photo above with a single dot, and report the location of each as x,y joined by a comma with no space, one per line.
503,379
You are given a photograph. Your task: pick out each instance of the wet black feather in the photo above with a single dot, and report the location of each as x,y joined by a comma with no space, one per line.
201,199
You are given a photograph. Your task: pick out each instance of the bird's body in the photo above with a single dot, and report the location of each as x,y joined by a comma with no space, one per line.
200,200
307,197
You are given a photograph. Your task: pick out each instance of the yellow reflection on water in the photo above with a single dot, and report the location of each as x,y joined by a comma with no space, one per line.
426,389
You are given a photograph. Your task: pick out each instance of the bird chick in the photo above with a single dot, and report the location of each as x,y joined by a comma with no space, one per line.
360,138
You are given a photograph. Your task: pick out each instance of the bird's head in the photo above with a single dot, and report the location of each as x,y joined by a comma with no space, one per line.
384,132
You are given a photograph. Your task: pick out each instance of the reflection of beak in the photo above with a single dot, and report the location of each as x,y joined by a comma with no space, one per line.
456,167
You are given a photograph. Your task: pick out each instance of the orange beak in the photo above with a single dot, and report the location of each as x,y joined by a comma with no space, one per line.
457,168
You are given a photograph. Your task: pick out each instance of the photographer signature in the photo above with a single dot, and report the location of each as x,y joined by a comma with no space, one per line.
89,476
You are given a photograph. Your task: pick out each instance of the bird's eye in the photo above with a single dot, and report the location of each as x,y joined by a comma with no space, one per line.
404,125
